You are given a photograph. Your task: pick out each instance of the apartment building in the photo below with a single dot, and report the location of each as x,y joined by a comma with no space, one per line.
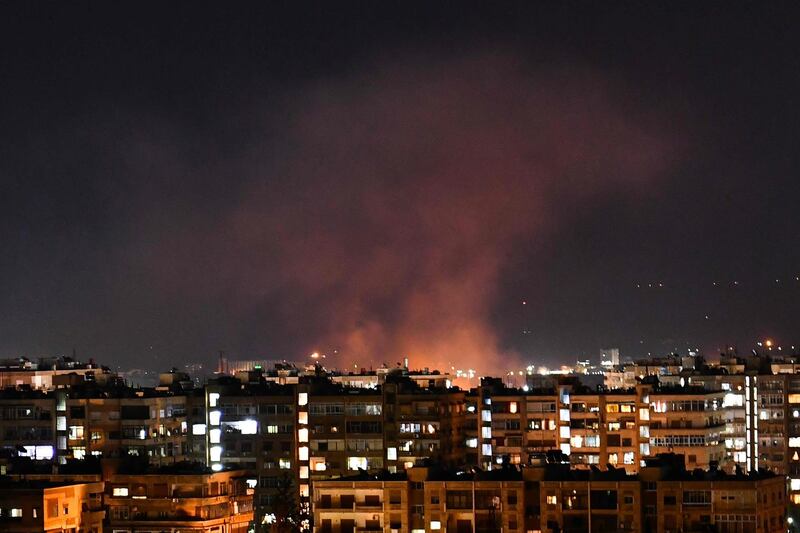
119,421
94,420
48,373
51,506
317,429
28,423
617,428
249,426
362,502
677,500
420,499
687,421
552,497
183,497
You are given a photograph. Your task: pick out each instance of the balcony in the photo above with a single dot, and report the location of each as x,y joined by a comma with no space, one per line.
368,507
334,508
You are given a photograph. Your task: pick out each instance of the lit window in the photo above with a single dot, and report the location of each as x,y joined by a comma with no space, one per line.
61,423
486,449
79,452
246,427
563,432
552,499
214,417
302,435
436,525
628,458
355,463
39,452
302,417
794,484
198,429
284,464
512,407
214,436
303,472
76,432
302,453
302,398
391,453
318,464
16,512
472,443
794,442
486,432
215,453
120,491
213,397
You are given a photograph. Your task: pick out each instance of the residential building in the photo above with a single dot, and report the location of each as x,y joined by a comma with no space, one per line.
549,496
51,506
183,497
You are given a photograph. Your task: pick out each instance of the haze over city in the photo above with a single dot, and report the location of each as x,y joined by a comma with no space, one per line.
458,186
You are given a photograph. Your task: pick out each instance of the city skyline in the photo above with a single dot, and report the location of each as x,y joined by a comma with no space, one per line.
489,186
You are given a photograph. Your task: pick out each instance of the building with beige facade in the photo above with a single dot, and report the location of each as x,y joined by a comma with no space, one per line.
552,497
51,506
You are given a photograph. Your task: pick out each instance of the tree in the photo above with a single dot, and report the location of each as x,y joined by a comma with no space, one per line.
286,516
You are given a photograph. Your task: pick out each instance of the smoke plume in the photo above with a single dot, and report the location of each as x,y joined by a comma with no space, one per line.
375,222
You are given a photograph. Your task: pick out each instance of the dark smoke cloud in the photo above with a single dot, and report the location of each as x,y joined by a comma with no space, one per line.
376,217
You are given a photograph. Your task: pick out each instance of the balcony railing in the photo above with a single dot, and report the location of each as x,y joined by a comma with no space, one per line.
363,506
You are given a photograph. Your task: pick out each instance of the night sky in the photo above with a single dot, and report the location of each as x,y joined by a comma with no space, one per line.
483,185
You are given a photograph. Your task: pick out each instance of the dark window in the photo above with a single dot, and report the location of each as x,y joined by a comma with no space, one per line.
364,427
604,499
134,412
459,499
77,411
